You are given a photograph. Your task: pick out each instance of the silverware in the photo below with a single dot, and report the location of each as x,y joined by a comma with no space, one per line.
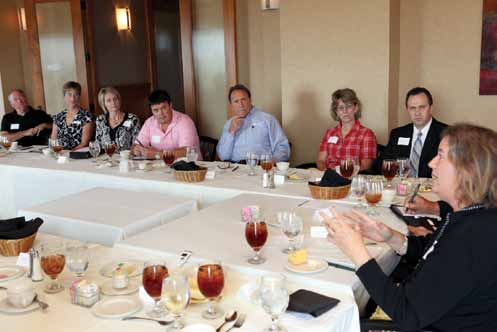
161,322
303,203
229,317
1,287
43,305
235,168
238,323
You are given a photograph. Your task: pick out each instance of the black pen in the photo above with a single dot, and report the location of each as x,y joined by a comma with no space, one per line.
340,266
414,194
234,168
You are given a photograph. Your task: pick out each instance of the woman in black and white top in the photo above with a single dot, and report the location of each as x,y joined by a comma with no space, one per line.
115,125
73,127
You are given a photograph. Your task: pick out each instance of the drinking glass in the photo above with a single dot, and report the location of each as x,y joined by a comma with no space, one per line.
94,148
56,146
274,299
176,296
52,263
110,148
77,258
389,170
191,153
374,188
266,162
358,187
347,168
292,226
6,143
168,157
404,167
256,236
154,273
210,279
252,161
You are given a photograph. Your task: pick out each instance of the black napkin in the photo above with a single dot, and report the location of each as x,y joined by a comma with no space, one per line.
8,225
185,166
310,302
79,155
333,179
23,229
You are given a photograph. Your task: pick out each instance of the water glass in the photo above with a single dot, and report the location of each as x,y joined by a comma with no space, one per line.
77,258
94,148
191,153
274,299
292,226
56,146
358,187
176,296
404,168
252,161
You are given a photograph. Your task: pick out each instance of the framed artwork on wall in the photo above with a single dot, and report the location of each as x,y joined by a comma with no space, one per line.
488,55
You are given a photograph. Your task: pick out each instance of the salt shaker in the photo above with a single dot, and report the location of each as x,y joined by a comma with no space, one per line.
34,265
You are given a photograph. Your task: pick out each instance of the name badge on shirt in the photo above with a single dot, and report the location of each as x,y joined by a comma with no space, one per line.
14,126
155,139
333,139
403,141
77,122
127,123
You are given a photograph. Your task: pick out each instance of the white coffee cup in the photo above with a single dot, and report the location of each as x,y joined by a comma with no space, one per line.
47,152
144,166
387,196
21,294
13,146
283,166
124,154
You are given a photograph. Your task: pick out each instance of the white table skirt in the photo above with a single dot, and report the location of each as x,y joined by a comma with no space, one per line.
105,216
63,316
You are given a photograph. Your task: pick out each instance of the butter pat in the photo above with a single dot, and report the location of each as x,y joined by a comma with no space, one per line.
298,257
319,232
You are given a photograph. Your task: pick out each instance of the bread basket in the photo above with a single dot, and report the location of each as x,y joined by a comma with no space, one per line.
15,247
191,176
318,192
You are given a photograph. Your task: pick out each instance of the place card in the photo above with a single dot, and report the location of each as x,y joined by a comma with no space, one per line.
23,260
211,174
279,179
319,232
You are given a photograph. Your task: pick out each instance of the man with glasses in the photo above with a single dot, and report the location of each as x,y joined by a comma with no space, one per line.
419,140
25,125
251,131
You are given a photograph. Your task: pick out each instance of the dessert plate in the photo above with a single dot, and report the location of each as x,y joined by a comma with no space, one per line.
313,265
7,308
116,307
10,272
107,288
133,266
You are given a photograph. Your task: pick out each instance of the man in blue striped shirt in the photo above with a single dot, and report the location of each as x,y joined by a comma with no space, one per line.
251,131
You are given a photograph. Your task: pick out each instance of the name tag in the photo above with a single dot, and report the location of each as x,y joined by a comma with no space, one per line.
14,126
403,141
77,122
155,139
333,140
127,123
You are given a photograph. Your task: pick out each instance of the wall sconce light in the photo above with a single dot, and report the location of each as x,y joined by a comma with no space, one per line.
22,19
270,4
123,19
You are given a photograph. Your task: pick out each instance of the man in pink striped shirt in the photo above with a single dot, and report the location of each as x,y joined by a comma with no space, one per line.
165,130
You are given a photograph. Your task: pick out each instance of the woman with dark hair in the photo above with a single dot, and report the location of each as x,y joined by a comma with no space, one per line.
73,127
349,139
454,284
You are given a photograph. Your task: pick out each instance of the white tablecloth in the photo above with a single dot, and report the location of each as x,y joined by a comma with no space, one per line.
65,317
105,216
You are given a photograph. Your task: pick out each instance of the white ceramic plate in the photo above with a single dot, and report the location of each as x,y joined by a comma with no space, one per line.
116,307
10,272
107,288
133,266
7,308
313,265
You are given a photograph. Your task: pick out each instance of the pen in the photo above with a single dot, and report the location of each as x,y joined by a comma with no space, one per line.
340,266
414,194
234,168
138,141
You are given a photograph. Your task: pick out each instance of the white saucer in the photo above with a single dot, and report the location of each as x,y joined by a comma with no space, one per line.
10,272
134,267
107,288
116,307
313,265
7,308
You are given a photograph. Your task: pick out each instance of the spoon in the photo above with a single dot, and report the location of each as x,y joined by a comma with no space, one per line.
229,317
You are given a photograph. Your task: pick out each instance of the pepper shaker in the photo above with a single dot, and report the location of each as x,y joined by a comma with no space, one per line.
34,265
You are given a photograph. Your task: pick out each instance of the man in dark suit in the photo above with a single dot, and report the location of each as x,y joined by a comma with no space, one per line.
417,141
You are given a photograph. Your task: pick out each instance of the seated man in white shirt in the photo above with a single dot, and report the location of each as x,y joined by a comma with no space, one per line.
251,131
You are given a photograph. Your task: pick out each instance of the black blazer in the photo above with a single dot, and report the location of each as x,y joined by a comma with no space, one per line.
430,147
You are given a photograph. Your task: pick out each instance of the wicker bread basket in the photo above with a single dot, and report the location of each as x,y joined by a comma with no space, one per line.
318,192
191,176
15,247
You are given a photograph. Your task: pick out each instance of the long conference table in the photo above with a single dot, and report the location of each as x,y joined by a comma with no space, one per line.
213,232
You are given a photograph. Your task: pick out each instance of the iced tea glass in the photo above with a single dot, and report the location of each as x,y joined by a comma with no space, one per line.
52,263
210,279
154,273
256,236
374,188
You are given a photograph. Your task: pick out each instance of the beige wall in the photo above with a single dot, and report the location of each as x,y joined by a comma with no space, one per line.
327,46
440,49
10,60
259,54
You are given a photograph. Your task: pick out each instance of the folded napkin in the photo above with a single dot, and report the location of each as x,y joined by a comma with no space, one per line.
18,228
79,155
311,303
185,166
333,179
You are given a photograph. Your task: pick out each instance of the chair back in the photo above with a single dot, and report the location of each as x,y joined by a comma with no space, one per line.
208,147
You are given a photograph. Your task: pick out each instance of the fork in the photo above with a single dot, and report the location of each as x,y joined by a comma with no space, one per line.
161,322
238,323
43,305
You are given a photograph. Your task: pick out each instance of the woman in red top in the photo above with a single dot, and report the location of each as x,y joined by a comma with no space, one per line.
349,139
